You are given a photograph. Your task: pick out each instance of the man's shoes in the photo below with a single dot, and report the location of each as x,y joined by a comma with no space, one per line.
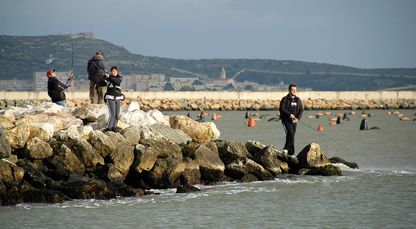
285,151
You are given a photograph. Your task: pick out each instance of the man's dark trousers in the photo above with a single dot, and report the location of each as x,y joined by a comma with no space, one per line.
290,129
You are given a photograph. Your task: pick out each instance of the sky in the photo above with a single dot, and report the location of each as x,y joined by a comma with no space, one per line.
357,33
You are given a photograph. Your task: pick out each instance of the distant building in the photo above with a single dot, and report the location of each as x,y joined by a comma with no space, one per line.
223,74
138,82
88,35
16,85
178,82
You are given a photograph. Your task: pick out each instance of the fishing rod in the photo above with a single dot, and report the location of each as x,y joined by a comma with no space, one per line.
71,74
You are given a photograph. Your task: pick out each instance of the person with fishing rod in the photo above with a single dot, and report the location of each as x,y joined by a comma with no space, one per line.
56,88
96,74
291,110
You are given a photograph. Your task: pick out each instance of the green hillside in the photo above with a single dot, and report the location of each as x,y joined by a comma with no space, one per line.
20,56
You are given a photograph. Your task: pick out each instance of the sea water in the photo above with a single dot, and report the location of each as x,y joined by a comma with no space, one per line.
381,194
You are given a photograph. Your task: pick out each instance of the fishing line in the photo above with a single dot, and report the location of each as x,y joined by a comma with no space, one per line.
319,133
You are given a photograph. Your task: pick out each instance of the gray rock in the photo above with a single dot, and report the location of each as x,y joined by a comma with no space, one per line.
242,167
86,153
327,170
37,149
175,135
192,173
232,150
101,143
312,156
268,158
210,164
352,165
66,162
132,134
121,157
5,149
253,147
166,173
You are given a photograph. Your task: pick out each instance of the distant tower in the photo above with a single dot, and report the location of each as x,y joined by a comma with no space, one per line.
223,75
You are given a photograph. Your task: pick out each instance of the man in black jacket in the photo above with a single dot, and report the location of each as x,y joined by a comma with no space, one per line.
291,110
56,88
96,75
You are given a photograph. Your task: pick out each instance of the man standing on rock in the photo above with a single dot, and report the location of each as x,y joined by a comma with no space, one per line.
291,110
96,75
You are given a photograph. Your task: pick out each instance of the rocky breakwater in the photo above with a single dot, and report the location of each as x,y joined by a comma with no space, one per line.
233,105
51,154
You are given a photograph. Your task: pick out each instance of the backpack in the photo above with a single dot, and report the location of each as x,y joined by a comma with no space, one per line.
91,68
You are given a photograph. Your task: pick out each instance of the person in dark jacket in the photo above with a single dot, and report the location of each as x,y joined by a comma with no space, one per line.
113,97
291,110
96,74
56,88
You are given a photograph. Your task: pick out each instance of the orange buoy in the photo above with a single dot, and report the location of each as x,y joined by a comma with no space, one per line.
215,116
320,128
251,122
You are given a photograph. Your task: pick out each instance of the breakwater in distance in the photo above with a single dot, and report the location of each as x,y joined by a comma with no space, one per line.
235,100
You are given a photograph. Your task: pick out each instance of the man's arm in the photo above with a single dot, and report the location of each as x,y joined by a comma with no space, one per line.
300,109
282,107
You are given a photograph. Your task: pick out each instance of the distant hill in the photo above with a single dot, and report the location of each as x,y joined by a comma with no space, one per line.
20,56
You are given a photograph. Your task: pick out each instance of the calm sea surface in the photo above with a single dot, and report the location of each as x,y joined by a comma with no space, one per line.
381,194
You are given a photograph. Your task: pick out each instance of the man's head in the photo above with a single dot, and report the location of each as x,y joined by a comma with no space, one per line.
51,73
292,89
99,53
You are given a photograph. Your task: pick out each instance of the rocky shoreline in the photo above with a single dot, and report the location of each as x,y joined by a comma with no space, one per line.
233,105
51,154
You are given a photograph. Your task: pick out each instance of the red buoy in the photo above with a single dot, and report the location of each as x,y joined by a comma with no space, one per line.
320,128
251,122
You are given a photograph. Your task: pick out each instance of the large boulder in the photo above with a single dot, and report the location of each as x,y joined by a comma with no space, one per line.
90,112
48,107
159,117
65,162
268,158
175,135
81,187
210,164
192,173
37,149
166,173
326,170
160,162
10,174
312,156
253,147
244,167
229,151
132,134
101,142
145,158
7,122
86,153
15,112
5,149
199,132
137,117
337,160
58,120
121,158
